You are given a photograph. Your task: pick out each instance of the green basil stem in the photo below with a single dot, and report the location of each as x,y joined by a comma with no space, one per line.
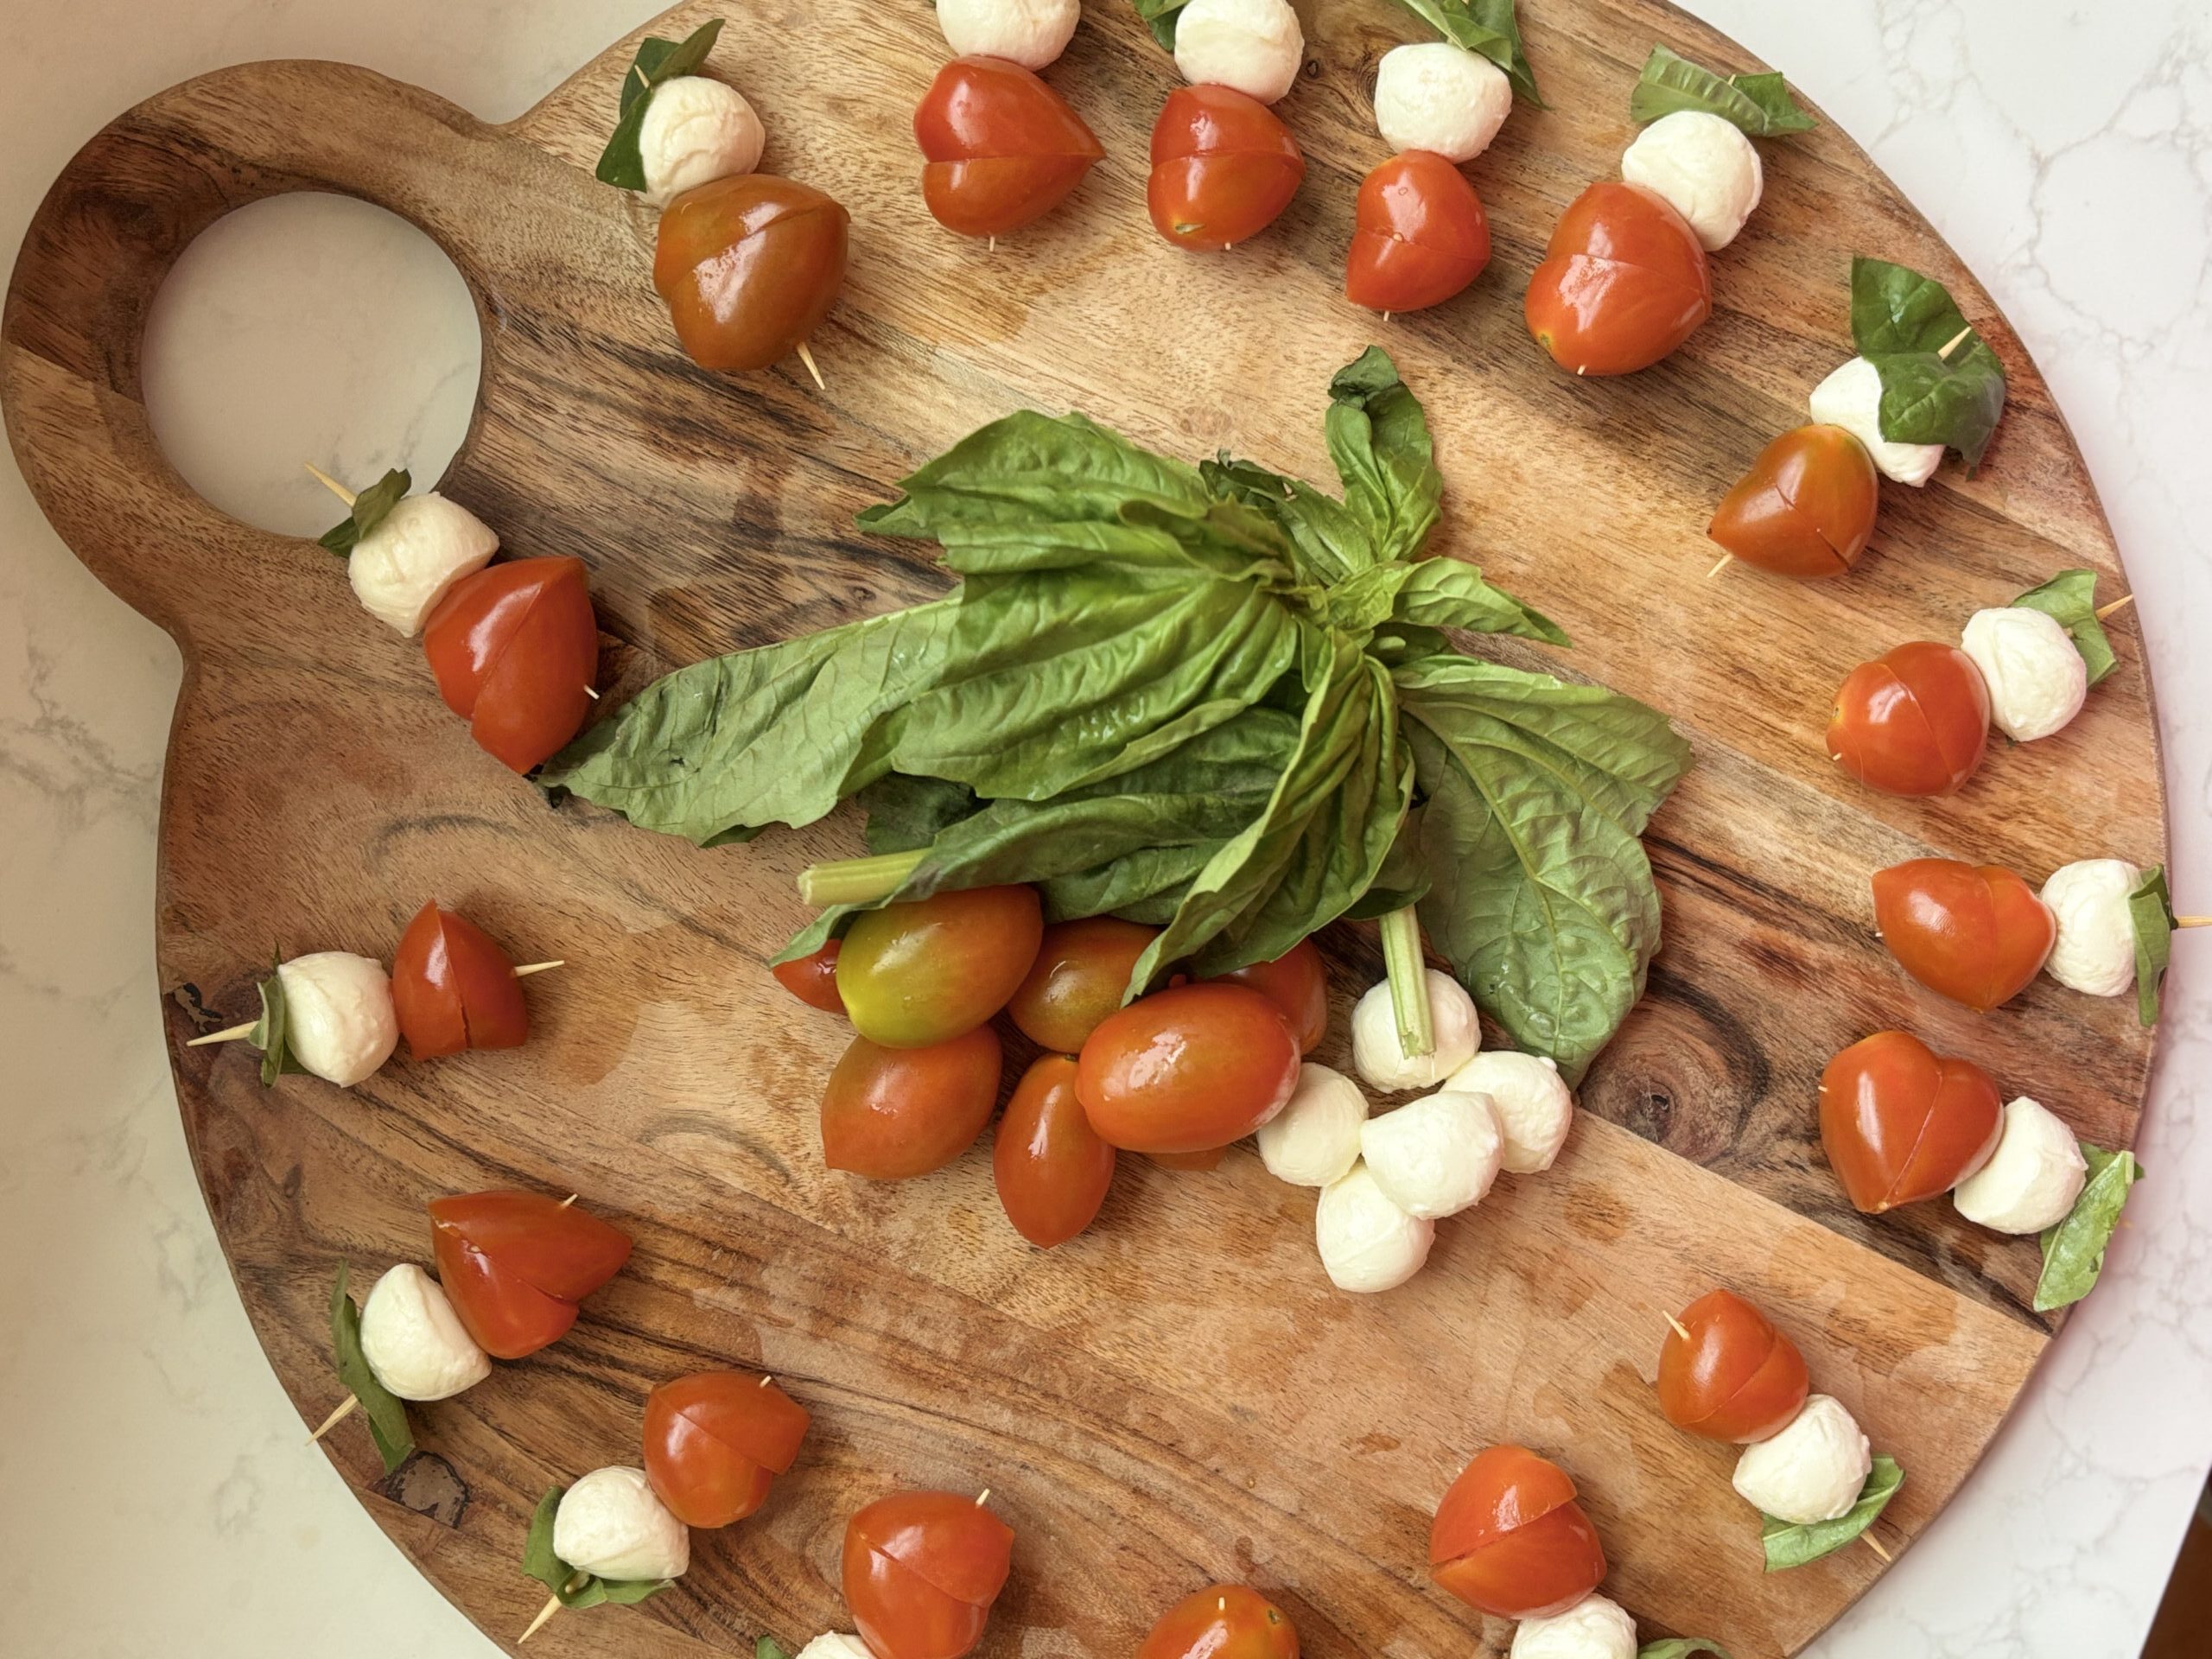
856,880
1408,975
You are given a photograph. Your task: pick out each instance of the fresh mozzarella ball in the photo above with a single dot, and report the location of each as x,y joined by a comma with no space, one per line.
611,1526
1436,96
1813,1470
1376,1056
2032,1178
2095,947
1254,46
1852,398
836,1644
696,129
1436,1156
1534,1107
1030,33
1315,1138
1367,1242
414,1341
2037,679
1595,1627
338,1020
1704,167
402,568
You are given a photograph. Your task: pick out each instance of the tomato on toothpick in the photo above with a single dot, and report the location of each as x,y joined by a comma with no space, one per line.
891,1114
920,1572
514,1265
813,978
1806,507
1509,1539
927,971
749,266
1188,1069
1419,234
1623,283
1050,1167
1726,1374
715,1441
1297,982
1080,974
1001,149
1224,167
1976,935
1901,1123
515,649
453,989
1222,1621
1914,722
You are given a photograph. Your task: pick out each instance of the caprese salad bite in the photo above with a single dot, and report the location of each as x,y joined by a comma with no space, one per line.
920,1570
1223,166
403,552
607,1538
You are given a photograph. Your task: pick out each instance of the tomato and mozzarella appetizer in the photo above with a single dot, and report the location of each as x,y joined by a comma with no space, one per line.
1314,1140
453,989
515,1265
1976,935
1509,1540
1081,971
1367,1242
1030,33
1253,47
339,1022
1432,95
1222,1621
1595,1627
920,1572
695,129
926,970
1705,168
1900,1124
1623,283
715,1441
1914,722
1436,1156
891,1114
2036,674
1811,1470
1381,1058
2031,1180
409,559
515,650
1806,509
1419,234
1297,982
414,1342
1223,169
1726,1374
1534,1107
1050,1168
1852,398
749,266
999,148
1187,1069
2094,948
611,1525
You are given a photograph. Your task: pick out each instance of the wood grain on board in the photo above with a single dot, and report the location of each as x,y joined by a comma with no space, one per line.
1177,1395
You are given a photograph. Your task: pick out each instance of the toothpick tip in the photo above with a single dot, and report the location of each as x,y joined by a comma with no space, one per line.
1727,559
1680,1330
806,357
552,1606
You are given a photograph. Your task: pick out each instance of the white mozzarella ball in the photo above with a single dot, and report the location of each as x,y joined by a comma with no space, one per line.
1367,1242
2032,1178
2095,951
338,1020
1433,95
1852,398
1376,1055
1813,1470
836,1644
404,567
1436,1156
696,129
1595,1627
1030,33
1254,46
1534,1106
1315,1138
414,1341
612,1526
2037,679
1705,167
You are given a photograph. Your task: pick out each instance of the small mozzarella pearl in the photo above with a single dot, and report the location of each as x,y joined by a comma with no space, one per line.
1254,46
2032,1178
2095,951
1704,167
1813,1470
1367,1242
1437,1156
1315,1138
1376,1056
612,1526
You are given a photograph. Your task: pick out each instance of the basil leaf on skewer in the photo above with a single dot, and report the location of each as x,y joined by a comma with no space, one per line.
1758,103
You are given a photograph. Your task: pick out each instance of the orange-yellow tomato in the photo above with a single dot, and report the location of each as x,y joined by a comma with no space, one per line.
749,266
1977,936
926,970
1081,975
1623,283
1913,722
1806,507
1297,982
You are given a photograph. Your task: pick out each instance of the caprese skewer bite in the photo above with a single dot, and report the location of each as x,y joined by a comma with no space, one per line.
1223,166
920,1570
403,1343
607,1538
405,552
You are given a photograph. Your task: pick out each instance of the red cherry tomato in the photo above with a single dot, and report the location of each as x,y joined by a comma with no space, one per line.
1080,976
891,1113
453,989
1001,147
1901,1123
1052,1169
1977,936
813,979
1624,282
1187,1069
1223,169
1734,1378
713,1441
1806,508
748,267
1222,1621
1914,722
1419,235
924,971
515,1265
515,649
921,1570
1509,1540
1297,982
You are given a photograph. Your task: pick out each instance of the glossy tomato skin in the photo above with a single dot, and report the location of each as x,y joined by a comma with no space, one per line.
1050,1167
454,988
1900,1124
1224,167
999,148
891,1114
1297,982
925,971
1187,1069
515,648
1222,1621
1511,1540
713,1442
920,1572
748,267
1080,976
1419,234
813,979
1976,935
1806,507
1914,722
1623,283
1735,1378
515,1265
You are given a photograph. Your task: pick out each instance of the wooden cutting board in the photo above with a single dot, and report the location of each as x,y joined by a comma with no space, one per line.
1179,1395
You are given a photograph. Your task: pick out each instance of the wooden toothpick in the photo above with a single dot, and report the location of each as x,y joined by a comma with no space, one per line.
981,1496
1875,1544
2117,606
1727,559
807,358
552,1606
334,1419
228,1034
1680,1330
1956,341
331,484
530,968
2193,921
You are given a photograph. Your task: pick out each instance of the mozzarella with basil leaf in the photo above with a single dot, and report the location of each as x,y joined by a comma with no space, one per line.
2037,679
2033,1176
338,1020
1703,167
1595,1627
2095,949
1435,96
1812,1470
1030,33
696,129
1852,398
414,1342
611,1525
413,556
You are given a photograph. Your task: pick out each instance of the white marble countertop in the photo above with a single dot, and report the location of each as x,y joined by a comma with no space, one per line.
154,1496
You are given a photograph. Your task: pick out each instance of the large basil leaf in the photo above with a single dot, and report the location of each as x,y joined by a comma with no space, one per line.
2151,912
1759,104
1788,1545
1901,322
1379,439
1488,26
2073,1250
1443,593
575,1588
622,163
386,1411
2070,599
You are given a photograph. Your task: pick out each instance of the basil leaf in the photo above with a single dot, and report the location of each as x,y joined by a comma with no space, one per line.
386,1412
370,508
1444,593
575,1588
269,1033
2151,909
2073,1250
1159,17
1327,543
1760,103
1402,880
904,813
768,1647
1487,27
1788,1545
1682,1647
1901,321
1378,437
621,163
2070,599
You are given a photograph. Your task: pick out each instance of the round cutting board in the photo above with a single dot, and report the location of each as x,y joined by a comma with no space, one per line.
1177,1395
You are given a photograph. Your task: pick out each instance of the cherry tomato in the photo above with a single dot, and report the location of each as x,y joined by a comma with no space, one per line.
1001,147
1224,167
1735,1378
1222,1621
1187,1069
921,1570
1419,235
891,1113
1297,982
1198,1161
1080,976
1977,936
813,979
1807,506
713,1441
1509,1539
1914,722
453,989
1052,1169
515,1265
926,970
1901,1123
749,266
1624,282
515,649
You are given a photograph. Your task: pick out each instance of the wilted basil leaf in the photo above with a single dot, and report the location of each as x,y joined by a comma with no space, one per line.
1788,1545
1159,17
1759,104
270,1034
2070,599
2153,913
1682,1647
621,163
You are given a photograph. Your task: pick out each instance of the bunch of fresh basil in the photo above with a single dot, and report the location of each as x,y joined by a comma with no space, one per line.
1211,698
